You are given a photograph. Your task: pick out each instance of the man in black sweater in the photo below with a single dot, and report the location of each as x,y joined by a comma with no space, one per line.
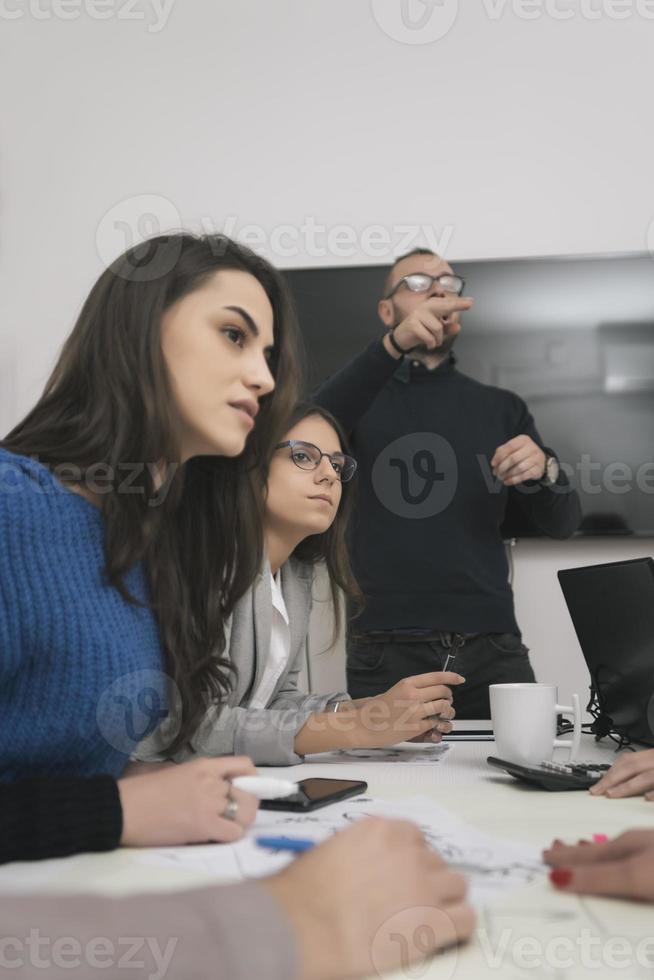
442,460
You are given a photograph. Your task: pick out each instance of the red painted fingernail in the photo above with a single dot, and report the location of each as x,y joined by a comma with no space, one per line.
560,877
600,838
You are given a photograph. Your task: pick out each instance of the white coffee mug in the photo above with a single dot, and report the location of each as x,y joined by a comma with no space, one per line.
524,722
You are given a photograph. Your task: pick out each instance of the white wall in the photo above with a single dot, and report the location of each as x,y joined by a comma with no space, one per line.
505,136
541,610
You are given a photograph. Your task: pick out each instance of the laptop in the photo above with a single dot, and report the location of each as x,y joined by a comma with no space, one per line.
465,730
612,610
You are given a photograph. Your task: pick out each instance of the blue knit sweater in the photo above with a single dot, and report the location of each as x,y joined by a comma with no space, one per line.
81,669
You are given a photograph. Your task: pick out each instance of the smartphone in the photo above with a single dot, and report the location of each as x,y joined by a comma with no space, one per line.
314,793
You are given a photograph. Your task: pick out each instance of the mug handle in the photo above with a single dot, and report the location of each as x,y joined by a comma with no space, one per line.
575,711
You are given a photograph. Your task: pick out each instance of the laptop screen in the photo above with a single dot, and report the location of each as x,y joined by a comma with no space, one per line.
612,610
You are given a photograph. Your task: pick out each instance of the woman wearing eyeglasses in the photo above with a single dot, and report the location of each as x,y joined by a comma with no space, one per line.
308,498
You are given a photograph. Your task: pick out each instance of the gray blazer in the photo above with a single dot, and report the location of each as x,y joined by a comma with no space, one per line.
267,735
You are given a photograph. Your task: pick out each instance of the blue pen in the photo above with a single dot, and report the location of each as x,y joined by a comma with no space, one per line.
296,844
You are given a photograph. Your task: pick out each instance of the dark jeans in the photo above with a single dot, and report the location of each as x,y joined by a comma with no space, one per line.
377,661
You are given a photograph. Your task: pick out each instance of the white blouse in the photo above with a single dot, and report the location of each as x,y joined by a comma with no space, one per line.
280,647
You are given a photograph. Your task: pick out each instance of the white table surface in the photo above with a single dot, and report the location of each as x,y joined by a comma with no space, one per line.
484,798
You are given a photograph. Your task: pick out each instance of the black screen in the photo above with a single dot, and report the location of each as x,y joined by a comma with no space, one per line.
573,336
612,609
319,788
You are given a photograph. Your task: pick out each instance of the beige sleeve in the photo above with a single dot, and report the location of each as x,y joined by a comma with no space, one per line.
231,932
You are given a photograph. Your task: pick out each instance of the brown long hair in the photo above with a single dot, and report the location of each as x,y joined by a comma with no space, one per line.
330,547
109,400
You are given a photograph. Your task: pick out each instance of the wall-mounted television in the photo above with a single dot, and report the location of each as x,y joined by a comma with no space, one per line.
573,336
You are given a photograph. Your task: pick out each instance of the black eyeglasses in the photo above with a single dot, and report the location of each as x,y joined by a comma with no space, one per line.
420,282
308,457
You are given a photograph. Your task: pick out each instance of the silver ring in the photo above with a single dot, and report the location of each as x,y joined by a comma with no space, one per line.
231,810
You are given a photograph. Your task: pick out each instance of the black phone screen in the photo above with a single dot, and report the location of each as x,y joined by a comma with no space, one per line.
317,792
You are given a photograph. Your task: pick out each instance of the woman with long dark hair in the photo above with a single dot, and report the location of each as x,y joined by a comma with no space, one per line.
308,497
130,519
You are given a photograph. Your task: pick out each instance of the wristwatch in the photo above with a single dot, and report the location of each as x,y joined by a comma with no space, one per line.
552,470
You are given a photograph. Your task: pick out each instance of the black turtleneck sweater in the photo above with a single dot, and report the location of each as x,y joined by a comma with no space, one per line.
426,540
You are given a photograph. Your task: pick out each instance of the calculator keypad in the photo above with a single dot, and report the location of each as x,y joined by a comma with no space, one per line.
586,769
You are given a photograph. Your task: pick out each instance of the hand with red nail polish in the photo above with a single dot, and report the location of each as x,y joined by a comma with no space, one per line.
621,868
560,877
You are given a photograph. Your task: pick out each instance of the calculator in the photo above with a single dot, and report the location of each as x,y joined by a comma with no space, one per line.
554,775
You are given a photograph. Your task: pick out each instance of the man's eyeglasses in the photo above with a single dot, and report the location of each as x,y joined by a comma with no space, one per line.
308,457
420,282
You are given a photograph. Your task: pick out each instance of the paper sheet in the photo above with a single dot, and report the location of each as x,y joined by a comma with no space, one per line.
217,861
569,937
493,866
415,753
